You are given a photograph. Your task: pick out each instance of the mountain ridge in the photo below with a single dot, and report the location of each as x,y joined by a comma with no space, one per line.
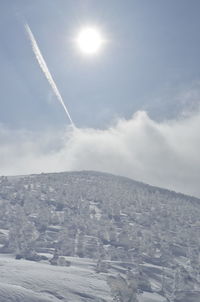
101,173
143,239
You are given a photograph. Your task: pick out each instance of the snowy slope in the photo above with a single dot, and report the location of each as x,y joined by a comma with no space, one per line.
142,239
27,281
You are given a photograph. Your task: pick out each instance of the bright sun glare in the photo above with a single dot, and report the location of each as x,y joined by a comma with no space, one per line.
89,40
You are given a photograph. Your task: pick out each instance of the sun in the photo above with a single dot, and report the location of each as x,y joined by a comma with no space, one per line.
89,40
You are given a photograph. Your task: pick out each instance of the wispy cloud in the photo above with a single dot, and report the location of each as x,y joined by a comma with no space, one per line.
45,70
163,154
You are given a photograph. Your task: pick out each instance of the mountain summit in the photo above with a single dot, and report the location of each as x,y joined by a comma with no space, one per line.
141,241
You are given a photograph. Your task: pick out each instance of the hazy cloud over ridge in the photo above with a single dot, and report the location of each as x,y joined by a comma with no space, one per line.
163,154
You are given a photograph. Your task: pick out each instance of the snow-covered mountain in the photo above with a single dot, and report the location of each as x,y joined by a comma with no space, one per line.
90,236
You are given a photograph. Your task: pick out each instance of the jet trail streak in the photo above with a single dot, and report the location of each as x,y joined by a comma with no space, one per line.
45,70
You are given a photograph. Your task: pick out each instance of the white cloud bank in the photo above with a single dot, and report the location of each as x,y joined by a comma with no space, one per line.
163,154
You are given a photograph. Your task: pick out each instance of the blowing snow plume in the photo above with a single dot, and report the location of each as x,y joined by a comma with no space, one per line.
45,70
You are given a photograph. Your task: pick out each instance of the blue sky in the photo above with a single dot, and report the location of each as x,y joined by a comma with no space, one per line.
152,56
135,105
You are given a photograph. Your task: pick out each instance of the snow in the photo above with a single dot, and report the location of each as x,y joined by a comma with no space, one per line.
4,232
16,293
151,297
93,207
28,281
128,225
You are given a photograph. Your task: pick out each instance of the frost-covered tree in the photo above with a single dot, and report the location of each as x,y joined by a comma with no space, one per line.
122,290
22,233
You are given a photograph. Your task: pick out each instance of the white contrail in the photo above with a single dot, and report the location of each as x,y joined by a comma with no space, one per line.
45,70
